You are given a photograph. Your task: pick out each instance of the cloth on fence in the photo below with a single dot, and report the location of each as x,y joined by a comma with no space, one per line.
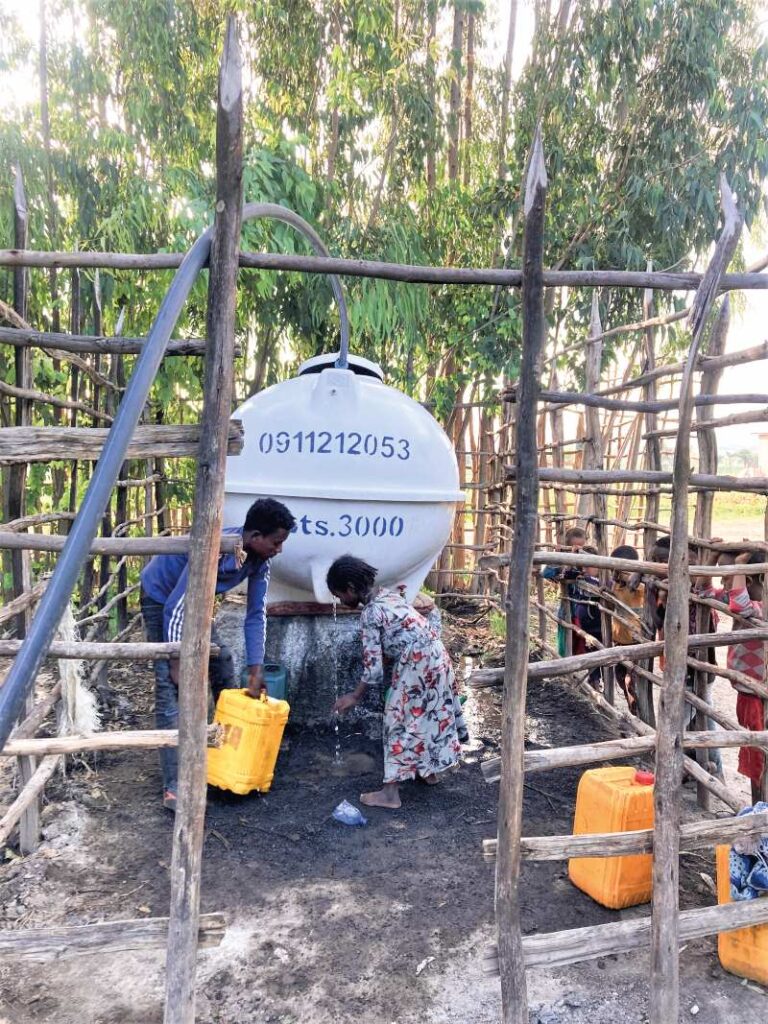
748,866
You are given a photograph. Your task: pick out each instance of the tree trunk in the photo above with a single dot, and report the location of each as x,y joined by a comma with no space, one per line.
58,473
454,102
21,565
333,141
469,96
506,86
433,104
592,457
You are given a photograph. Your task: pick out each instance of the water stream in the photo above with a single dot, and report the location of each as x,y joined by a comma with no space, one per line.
335,664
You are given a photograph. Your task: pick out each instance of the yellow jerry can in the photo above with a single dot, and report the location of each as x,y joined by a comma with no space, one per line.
253,731
616,799
744,951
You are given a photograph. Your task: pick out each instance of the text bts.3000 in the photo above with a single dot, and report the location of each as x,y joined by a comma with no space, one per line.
351,526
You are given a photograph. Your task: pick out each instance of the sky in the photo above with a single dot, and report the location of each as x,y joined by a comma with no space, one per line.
749,324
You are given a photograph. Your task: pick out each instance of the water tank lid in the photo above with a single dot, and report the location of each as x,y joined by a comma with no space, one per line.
644,778
357,364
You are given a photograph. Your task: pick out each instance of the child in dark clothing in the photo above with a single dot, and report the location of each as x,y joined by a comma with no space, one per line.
627,621
575,539
586,613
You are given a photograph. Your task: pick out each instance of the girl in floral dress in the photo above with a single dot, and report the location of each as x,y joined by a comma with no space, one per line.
422,715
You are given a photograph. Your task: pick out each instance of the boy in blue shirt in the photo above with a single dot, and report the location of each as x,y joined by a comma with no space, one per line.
163,589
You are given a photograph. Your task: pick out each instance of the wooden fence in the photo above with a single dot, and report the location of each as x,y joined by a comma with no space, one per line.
525,481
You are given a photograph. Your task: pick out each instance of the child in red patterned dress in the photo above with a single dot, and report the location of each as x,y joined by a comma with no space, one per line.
423,724
744,594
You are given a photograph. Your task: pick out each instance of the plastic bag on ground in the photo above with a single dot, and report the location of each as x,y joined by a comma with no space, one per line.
348,814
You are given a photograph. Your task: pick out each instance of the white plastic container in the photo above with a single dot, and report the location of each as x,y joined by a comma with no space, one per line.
364,469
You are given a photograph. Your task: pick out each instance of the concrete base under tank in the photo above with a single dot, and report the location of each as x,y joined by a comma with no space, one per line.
310,647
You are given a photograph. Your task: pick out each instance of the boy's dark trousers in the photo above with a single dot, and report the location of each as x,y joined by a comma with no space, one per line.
221,674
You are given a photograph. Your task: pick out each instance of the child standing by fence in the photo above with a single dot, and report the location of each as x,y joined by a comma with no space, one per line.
583,585
627,620
574,541
743,595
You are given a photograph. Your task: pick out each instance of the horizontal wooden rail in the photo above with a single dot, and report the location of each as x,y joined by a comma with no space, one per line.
659,280
87,343
644,476
62,942
39,519
82,651
610,656
561,398
756,416
28,726
612,750
23,601
731,799
556,949
139,739
569,558
27,796
46,444
746,355
698,835
110,545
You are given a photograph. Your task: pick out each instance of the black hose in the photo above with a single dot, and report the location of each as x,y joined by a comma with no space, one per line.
275,212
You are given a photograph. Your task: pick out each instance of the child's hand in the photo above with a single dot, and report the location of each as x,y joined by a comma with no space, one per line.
743,558
257,686
634,581
713,556
344,703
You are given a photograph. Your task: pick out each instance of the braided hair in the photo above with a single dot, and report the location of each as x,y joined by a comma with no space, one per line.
348,571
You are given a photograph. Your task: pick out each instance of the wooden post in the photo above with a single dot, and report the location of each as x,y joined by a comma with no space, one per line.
74,326
29,831
558,437
121,501
507,439
665,988
203,558
485,461
540,600
596,504
592,448
513,985
702,522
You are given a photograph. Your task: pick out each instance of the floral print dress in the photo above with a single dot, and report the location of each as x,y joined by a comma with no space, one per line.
422,714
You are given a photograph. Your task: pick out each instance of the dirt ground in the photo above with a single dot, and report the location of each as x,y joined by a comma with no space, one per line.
328,924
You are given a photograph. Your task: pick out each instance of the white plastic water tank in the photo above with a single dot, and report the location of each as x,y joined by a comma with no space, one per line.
364,469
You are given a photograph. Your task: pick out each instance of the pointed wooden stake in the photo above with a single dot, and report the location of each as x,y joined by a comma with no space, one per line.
203,559
512,966
665,973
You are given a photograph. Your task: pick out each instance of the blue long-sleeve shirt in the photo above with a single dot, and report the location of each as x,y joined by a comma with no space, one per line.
165,578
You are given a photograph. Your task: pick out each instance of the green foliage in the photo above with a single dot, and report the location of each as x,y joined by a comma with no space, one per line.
643,104
498,625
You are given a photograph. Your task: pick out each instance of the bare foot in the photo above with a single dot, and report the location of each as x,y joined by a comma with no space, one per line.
387,797
429,780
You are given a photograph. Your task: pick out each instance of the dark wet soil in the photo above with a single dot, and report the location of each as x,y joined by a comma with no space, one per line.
327,923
